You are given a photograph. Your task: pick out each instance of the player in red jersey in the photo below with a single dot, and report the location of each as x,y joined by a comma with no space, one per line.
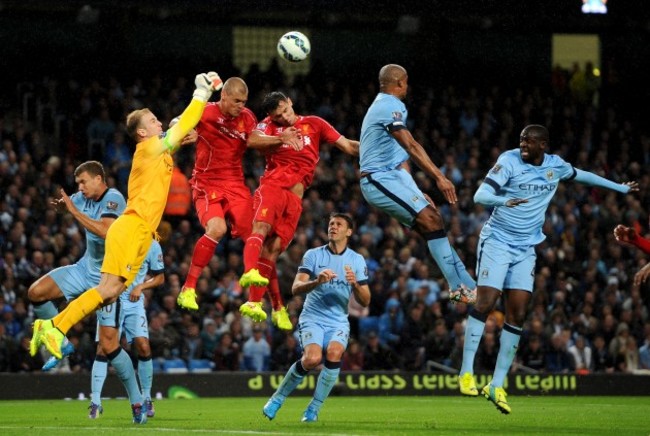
218,188
277,203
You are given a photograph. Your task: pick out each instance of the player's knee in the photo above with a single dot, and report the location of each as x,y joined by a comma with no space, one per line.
143,349
36,293
430,220
311,361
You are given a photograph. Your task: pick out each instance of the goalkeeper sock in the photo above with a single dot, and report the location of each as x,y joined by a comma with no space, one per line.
145,375
252,251
326,381
124,369
78,309
473,334
45,310
291,380
98,376
203,252
510,336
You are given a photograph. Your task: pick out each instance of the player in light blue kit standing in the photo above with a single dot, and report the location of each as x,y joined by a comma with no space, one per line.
95,206
519,187
386,183
329,275
127,315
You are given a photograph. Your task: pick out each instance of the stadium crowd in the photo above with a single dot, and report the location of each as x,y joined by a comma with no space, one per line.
586,315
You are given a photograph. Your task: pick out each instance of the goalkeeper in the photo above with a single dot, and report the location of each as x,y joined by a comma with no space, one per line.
129,238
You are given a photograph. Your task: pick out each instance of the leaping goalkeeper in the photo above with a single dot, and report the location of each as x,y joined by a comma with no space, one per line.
129,238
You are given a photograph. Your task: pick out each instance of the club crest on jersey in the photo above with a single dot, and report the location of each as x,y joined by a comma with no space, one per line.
397,116
485,273
111,205
415,199
264,212
549,174
495,169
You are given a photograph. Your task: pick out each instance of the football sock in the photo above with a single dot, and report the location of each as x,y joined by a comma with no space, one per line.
510,336
326,381
78,309
124,369
145,375
442,253
291,380
203,252
465,278
274,290
98,375
267,269
45,310
252,251
473,334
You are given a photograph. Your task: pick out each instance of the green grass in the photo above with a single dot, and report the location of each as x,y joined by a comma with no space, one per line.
548,416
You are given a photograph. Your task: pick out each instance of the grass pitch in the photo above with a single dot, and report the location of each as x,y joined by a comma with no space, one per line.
342,416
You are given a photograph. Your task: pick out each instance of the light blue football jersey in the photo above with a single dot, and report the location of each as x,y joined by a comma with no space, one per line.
328,302
111,204
378,150
511,177
152,263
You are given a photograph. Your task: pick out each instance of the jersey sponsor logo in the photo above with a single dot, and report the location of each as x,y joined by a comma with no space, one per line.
111,205
537,188
261,126
495,169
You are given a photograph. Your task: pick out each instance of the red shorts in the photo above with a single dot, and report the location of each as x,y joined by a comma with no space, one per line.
280,208
230,201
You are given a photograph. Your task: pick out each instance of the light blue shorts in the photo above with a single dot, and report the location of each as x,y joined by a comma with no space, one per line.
394,192
74,280
314,333
503,266
130,319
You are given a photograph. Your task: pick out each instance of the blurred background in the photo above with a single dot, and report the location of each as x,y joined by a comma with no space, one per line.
479,72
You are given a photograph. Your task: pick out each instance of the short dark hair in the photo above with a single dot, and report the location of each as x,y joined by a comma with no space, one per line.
348,219
91,167
272,100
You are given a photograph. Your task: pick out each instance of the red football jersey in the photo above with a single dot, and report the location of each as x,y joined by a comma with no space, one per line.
221,145
285,166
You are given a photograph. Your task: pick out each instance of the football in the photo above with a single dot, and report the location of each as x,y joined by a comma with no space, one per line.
294,46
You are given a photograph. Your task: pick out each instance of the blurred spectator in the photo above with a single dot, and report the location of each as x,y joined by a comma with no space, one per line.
286,354
353,357
377,356
21,361
533,354
227,354
581,355
558,359
256,352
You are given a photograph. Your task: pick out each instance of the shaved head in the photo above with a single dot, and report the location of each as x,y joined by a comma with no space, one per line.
235,85
389,75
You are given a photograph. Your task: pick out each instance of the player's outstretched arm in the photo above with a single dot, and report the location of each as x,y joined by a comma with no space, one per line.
422,160
628,236
486,196
591,179
348,146
206,84
259,140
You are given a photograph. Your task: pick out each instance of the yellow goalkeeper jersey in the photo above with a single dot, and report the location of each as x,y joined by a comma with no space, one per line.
152,166
151,175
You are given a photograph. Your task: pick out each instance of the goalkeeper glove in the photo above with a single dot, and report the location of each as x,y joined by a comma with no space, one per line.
206,83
